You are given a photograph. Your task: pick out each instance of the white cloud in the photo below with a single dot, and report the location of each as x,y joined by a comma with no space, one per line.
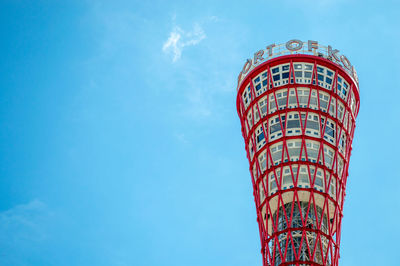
181,137
23,222
178,39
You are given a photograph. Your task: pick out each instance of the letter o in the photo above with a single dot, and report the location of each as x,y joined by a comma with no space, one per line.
294,45
246,66
345,62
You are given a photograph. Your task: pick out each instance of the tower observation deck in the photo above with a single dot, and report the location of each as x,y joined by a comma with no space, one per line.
297,104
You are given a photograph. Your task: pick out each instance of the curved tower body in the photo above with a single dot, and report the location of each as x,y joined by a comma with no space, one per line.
297,104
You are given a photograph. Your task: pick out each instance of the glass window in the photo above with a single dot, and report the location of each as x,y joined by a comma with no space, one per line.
285,75
330,132
318,182
265,82
297,66
346,86
265,75
307,74
293,124
328,80
260,137
275,128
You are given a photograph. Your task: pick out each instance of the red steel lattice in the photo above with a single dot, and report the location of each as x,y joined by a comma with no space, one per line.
299,219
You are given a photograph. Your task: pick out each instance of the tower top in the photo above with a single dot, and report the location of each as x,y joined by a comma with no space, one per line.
293,47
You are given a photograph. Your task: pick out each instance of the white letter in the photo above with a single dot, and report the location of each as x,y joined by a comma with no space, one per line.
294,45
269,48
312,45
245,68
258,56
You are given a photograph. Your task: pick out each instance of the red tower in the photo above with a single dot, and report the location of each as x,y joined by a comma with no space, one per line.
297,104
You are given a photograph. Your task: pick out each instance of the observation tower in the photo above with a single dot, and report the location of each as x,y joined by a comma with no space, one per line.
297,104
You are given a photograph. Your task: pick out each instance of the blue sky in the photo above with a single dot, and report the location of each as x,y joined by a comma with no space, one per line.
120,143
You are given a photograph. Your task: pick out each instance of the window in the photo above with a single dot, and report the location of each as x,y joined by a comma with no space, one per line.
293,126
313,100
272,183
262,160
332,107
280,75
328,156
325,76
304,180
272,104
312,150
261,83
281,97
319,183
340,110
342,88
323,101
263,106
342,143
285,75
261,191
340,166
246,96
250,119
330,130
303,95
332,189
292,99
293,148
275,128
312,124
303,73
256,114
276,153
260,138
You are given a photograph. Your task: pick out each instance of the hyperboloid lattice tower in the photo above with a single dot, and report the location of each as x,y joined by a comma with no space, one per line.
297,104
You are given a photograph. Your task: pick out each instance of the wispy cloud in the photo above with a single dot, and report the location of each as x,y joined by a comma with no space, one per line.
178,39
23,232
23,222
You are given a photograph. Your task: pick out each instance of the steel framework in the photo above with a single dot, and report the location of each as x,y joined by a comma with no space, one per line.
297,114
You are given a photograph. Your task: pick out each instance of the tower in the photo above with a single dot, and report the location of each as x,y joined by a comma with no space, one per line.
297,104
